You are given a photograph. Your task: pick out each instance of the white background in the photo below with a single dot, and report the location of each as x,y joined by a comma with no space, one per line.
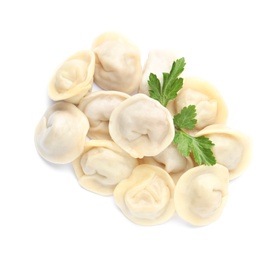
45,214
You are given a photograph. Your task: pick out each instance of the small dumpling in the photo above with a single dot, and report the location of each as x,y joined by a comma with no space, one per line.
74,78
201,194
158,61
141,126
98,106
118,64
102,165
146,197
61,133
210,106
172,161
231,148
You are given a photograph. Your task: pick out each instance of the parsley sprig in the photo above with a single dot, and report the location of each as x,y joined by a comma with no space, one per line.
200,146
171,83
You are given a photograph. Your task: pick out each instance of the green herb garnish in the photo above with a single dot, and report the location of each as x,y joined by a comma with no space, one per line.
200,146
186,118
171,83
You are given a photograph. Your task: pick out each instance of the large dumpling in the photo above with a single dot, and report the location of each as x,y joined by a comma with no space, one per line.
210,106
231,148
118,65
141,126
146,197
61,133
102,165
74,78
98,106
201,194
158,61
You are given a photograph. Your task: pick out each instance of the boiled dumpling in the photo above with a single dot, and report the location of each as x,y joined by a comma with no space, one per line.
172,161
210,106
102,165
118,65
158,61
61,133
201,194
98,106
146,197
231,148
141,126
74,78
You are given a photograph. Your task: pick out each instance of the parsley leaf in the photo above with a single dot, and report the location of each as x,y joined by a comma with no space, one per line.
155,91
171,83
200,146
186,118
183,142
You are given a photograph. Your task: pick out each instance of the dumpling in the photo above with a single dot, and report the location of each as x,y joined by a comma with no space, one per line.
98,106
210,106
201,194
158,61
102,165
172,161
61,133
232,148
74,78
118,65
141,126
146,197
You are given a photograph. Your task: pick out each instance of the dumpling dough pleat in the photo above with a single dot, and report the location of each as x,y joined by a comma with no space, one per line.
102,165
61,133
172,161
74,78
146,197
118,65
231,148
210,106
201,194
141,126
98,106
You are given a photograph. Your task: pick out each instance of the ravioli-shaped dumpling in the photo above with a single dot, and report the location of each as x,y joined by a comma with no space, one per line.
158,61
172,161
118,65
146,197
201,194
74,78
61,133
210,106
231,148
141,126
102,165
98,106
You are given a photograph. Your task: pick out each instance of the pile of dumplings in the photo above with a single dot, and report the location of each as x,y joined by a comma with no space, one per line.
120,141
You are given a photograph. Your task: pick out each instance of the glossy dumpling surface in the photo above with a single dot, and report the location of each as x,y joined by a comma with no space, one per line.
61,133
201,194
146,197
98,106
141,126
102,165
118,65
231,148
74,78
